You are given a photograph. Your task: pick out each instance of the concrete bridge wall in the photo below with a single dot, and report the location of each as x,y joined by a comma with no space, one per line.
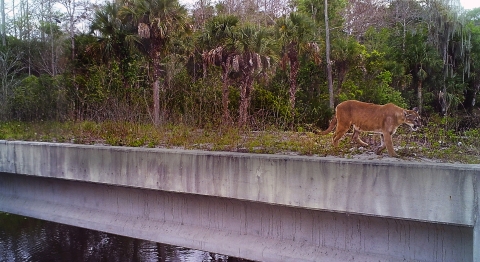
260,207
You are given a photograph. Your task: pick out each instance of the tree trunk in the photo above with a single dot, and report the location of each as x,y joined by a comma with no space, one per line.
156,102
155,57
225,91
419,96
294,66
470,95
342,70
329,63
52,46
245,96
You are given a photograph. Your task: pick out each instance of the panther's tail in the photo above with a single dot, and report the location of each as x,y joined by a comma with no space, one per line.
333,124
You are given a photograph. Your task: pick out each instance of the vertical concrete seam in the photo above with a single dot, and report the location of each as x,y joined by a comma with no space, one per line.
14,157
475,199
476,222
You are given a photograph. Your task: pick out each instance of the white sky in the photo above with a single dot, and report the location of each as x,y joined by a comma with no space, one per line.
470,4
467,4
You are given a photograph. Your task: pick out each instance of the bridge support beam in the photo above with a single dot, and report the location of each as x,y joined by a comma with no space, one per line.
244,229
259,207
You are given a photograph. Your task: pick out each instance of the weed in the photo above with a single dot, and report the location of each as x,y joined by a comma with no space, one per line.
434,141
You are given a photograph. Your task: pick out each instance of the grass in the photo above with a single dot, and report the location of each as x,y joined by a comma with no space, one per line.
433,141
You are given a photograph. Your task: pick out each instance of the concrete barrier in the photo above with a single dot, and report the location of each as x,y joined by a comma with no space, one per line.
266,207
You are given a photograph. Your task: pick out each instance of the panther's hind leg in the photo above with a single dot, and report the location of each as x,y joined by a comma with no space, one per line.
356,137
339,133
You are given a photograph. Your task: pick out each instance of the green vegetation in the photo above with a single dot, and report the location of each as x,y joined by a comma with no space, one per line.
238,75
433,141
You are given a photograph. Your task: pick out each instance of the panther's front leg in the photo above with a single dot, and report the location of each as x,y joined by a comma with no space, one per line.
388,143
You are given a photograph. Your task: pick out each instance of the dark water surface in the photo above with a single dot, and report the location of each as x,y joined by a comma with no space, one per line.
27,239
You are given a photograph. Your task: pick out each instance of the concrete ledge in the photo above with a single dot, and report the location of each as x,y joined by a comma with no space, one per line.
439,193
271,207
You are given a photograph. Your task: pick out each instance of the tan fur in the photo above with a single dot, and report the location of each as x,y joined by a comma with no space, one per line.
383,119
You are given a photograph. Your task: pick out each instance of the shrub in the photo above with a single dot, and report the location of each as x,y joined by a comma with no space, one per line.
38,98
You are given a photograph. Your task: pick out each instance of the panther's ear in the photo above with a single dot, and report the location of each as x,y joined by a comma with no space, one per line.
415,109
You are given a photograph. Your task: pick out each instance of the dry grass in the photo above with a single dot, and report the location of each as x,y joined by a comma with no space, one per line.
432,143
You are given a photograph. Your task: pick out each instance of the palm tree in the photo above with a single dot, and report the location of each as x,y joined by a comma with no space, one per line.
421,58
256,52
346,54
216,36
246,50
157,22
295,33
111,32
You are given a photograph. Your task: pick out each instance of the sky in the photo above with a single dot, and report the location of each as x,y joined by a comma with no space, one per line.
470,4
467,4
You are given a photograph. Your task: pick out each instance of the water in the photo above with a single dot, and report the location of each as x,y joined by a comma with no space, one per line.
27,239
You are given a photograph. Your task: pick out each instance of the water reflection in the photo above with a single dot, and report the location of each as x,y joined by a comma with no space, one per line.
28,239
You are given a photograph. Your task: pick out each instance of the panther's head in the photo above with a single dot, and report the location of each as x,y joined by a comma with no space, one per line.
412,118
